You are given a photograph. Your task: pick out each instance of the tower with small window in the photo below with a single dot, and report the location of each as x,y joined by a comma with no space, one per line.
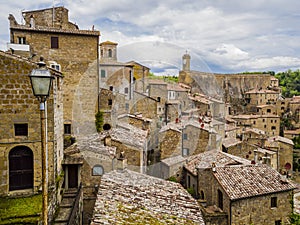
186,62
108,52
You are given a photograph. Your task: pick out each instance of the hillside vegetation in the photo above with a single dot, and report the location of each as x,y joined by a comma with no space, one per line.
289,82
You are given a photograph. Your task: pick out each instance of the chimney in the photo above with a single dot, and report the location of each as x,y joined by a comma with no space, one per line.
121,161
213,166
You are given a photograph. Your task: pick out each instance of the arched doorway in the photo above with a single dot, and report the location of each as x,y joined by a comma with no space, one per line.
20,168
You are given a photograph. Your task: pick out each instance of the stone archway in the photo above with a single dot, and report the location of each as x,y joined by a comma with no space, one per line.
20,168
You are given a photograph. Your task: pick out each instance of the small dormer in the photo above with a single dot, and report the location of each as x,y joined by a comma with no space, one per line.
108,51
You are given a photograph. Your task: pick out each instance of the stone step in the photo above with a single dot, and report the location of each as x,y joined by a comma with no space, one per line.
63,214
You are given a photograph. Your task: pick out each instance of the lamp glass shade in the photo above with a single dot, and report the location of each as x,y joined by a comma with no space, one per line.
41,81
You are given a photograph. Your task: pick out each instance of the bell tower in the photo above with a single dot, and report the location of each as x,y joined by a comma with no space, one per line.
186,62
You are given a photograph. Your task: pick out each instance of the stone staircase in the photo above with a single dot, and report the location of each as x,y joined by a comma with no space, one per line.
65,207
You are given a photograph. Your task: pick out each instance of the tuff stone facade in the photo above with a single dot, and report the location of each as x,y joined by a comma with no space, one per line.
274,200
48,33
20,106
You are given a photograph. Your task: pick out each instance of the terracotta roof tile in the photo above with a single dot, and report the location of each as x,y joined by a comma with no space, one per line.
205,159
251,180
55,30
126,195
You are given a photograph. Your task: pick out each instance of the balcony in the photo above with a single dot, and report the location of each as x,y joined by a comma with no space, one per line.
18,47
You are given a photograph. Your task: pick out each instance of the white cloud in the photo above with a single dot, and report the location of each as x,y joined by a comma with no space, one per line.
232,35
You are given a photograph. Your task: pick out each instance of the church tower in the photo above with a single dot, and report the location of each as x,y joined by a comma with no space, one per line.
108,52
186,62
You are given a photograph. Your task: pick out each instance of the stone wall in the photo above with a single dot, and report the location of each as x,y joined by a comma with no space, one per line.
227,86
53,17
170,144
18,105
77,54
197,139
133,155
247,211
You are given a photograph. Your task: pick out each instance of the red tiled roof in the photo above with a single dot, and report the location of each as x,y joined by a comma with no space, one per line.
250,180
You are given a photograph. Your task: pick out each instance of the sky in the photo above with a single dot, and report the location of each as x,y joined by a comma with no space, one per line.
221,36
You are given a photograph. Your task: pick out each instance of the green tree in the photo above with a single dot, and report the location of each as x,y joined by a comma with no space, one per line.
99,121
289,82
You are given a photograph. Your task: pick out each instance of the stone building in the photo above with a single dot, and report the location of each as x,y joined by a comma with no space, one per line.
85,163
126,197
284,149
130,143
20,127
269,123
65,47
20,138
237,190
294,108
258,97
204,160
121,77
228,88
170,140
187,137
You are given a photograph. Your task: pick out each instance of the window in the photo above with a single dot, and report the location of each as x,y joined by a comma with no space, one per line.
273,127
103,74
67,128
126,106
254,122
185,136
22,40
273,202
188,181
54,42
126,90
202,196
220,199
111,88
109,102
263,120
109,53
268,110
21,129
185,152
277,222
98,170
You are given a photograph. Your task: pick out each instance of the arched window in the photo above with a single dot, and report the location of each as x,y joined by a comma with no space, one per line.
109,53
98,170
20,168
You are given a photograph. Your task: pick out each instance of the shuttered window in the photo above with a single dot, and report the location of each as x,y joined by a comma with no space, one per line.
54,42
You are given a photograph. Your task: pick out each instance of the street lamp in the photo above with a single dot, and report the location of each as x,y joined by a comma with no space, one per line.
41,81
